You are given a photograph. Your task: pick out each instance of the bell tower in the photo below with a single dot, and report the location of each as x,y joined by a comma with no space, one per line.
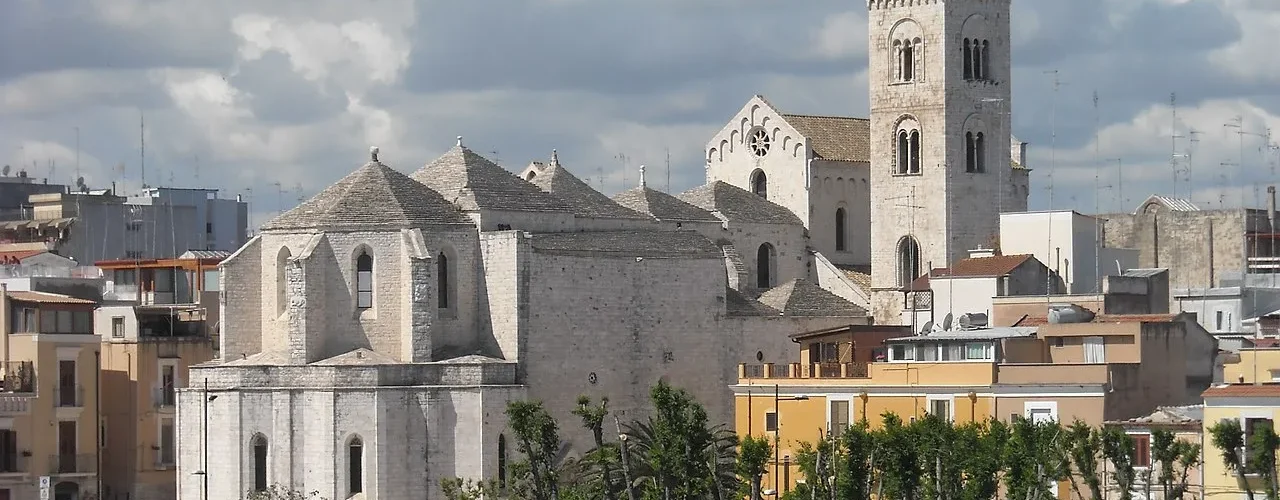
939,79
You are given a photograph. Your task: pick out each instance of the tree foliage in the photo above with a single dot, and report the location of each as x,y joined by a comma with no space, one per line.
278,492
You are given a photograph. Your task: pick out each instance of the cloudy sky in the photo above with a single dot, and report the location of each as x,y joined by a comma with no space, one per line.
242,94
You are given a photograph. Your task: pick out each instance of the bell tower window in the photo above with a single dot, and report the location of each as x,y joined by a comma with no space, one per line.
907,150
975,152
760,184
977,60
906,59
908,261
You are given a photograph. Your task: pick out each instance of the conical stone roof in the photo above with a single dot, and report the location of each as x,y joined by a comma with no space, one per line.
472,182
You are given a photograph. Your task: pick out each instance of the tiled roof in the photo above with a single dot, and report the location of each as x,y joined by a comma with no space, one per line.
1030,320
1269,390
47,298
799,297
836,138
738,205
859,275
649,244
586,202
205,254
17,256
999,265
374,196
662,206
472,182
738,304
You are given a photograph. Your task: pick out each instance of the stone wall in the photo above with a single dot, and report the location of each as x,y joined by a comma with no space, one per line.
835,185
1199,248
241,301
730,159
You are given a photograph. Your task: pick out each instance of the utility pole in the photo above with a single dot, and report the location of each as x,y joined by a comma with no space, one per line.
1121,203
1173,141
907,274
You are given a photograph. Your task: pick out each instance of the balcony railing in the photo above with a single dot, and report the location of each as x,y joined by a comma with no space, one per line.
83,463
163,397
68,397
13,464
17,376
859,369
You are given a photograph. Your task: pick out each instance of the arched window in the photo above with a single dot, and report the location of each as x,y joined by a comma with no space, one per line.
908,261
364,280
968,59
986,60
765,266
442,274
976,59
908,62
259,444
904,152
915,152
760,184
840,216
282,282
502,461
355,466
970,153
980,152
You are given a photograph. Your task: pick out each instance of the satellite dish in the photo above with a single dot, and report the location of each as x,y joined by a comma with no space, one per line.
928,327
946,322
5,172
80,183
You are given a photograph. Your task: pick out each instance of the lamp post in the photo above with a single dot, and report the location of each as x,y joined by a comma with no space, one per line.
204,445
777,431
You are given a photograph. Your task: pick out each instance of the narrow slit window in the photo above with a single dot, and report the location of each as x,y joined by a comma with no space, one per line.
355,459
364,281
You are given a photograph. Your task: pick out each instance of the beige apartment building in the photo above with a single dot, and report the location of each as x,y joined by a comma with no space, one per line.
158,318
49,402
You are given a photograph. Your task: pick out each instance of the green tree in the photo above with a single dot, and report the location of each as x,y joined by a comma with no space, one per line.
1262,445
1118,449
1084,445
857,462
598,464
537,437
1035,458
899,463
815,462
466,489
1174,459
672,450
753,462
1228,437
978,447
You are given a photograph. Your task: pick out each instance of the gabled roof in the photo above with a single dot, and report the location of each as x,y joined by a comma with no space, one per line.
838,138
737,304
472,182
799,297
586,202
738,205
356,357
205,254
662,206
47,298
999,265
859,275
374,196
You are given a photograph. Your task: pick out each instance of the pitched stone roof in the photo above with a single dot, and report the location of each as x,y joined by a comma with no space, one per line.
859,275
799,297
374,196
626,244
837,138
356,357
586,202
1171,203
998,265
662,206
737,204
737,304
472,182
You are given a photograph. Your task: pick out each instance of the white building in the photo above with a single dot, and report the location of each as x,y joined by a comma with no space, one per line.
373,336
1067,242
948,298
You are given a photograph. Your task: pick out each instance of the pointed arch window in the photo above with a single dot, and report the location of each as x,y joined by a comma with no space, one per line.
760,184
915,152
355,466
765,265
442,273
364,280
259,445
908,261
907,152
840,236
968,59
986,60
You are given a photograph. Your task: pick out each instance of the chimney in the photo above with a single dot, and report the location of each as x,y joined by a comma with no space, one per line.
1271,207
980,252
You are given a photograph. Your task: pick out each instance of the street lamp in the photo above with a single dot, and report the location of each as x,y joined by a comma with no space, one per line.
777,430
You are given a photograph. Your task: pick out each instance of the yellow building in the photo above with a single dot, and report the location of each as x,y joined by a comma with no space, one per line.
160,315
48,408
1091,370
1251,396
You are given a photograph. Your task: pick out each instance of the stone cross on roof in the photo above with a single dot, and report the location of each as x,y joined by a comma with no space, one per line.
373,153
555,159
459,141
642,176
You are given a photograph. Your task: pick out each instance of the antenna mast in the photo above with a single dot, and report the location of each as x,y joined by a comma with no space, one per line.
1053,160
1173,141
142,143
77,152
668,170
1097,193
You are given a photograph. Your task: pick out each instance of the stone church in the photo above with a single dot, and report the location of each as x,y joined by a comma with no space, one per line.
374,334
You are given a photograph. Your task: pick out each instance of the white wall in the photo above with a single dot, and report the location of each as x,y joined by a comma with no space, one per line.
1065,241
956,296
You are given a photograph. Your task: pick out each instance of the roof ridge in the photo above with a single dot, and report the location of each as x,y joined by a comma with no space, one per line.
836,117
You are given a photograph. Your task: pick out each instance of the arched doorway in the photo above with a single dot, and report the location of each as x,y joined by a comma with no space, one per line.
66,490
760,184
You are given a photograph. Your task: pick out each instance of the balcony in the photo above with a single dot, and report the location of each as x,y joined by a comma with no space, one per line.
163,397
83,463
17,376
861,369
13,464
68,397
